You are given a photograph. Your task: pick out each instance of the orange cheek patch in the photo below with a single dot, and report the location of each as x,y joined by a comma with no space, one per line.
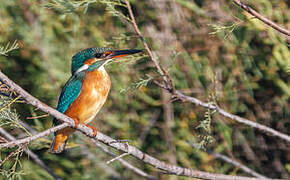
90,61
108,52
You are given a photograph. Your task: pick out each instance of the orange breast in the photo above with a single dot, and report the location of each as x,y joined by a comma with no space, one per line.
95,89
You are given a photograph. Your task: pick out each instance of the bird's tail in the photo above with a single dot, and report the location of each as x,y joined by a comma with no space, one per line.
60,139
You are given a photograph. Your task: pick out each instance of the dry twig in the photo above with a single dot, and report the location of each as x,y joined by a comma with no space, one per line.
117,158
232,161
38,117
31,154
122,161
261,17
221,111
20,148
161,71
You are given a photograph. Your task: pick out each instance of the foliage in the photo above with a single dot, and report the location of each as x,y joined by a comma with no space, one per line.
4,50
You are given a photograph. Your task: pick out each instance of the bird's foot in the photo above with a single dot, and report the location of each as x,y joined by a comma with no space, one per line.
76,122
93,129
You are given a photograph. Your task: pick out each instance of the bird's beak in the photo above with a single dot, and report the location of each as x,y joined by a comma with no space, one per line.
122,53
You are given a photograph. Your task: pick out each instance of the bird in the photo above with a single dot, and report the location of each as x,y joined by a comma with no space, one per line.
86,91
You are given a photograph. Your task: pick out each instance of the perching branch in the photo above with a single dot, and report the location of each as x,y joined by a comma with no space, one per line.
106,150
181,96
261,17
172,169
31,155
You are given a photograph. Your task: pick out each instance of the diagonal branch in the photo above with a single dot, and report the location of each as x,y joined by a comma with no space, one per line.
181,96
34,137
172,169
223,112
261,17
161,71
231,161
104,149
122,161
31,154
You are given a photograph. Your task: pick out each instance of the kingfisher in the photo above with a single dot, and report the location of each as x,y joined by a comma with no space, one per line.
86,91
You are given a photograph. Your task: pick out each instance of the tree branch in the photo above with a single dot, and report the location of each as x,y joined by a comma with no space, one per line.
104,149
231,161
181,96
122,161
32,155
172,169
161,71
261,17
34,137
221,111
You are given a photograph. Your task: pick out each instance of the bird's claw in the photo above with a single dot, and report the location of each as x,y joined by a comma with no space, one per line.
93,129
76,122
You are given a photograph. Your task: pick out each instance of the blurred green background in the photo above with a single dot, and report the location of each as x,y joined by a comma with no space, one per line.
213,50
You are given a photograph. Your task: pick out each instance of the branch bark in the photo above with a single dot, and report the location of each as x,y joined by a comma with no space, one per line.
231,161
161,71
122,161
172,169
32,155
261,17
247,122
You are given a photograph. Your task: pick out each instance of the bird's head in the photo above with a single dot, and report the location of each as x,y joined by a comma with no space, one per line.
94,58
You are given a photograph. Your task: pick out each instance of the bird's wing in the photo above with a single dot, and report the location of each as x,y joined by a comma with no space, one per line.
69,93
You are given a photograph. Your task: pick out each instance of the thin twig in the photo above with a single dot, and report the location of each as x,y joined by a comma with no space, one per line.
122,161
34,137
261,17
31,154
105,139
147,128
231,161
117,158
221,111
9,104
155,61
37,117
20,148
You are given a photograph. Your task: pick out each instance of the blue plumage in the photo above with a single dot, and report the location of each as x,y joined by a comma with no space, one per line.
69,93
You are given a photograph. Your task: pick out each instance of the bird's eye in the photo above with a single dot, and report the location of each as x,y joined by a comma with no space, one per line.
98,55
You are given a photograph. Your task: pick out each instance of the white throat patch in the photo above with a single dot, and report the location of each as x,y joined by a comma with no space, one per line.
82,68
